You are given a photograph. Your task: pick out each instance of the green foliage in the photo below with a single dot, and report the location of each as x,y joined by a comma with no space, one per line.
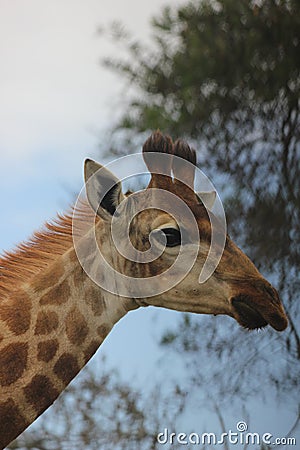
215,64
226,75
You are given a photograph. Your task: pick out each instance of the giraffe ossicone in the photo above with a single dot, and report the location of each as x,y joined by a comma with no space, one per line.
63,291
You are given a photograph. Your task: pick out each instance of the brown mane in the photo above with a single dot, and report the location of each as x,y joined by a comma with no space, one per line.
41,249
55,238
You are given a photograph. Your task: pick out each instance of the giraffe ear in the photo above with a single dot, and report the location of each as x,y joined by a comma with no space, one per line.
103,189
207,198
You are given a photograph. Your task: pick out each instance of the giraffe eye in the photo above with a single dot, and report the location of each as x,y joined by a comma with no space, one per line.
172,235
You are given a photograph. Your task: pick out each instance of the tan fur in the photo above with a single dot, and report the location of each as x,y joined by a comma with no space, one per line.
39,252
53,317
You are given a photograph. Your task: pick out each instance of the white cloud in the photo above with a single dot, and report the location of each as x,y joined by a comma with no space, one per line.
51,84
54,95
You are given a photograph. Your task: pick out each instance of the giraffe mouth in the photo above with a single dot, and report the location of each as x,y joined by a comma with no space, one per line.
249,316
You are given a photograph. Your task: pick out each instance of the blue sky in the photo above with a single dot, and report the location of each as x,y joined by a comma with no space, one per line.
56,102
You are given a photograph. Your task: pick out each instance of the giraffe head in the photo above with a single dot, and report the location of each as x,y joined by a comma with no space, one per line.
148,232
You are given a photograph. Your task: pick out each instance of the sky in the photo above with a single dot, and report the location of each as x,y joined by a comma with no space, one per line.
56,101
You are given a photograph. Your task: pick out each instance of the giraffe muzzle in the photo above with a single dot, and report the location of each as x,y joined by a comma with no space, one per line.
259,311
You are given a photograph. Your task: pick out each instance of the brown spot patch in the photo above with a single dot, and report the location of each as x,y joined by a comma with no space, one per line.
40,393
66,367
15,312
45,280
90,350
47,350
47,321
12,423
13,360
103,330
58,295
94,300
76,327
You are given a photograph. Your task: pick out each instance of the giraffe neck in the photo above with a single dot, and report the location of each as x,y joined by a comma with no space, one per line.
54,325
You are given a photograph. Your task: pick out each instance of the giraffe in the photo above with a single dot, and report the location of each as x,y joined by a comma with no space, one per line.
53,317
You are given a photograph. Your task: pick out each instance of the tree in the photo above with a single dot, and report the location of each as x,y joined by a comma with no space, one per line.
226,75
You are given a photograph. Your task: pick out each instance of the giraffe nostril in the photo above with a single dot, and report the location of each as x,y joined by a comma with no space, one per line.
271,293
259,311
